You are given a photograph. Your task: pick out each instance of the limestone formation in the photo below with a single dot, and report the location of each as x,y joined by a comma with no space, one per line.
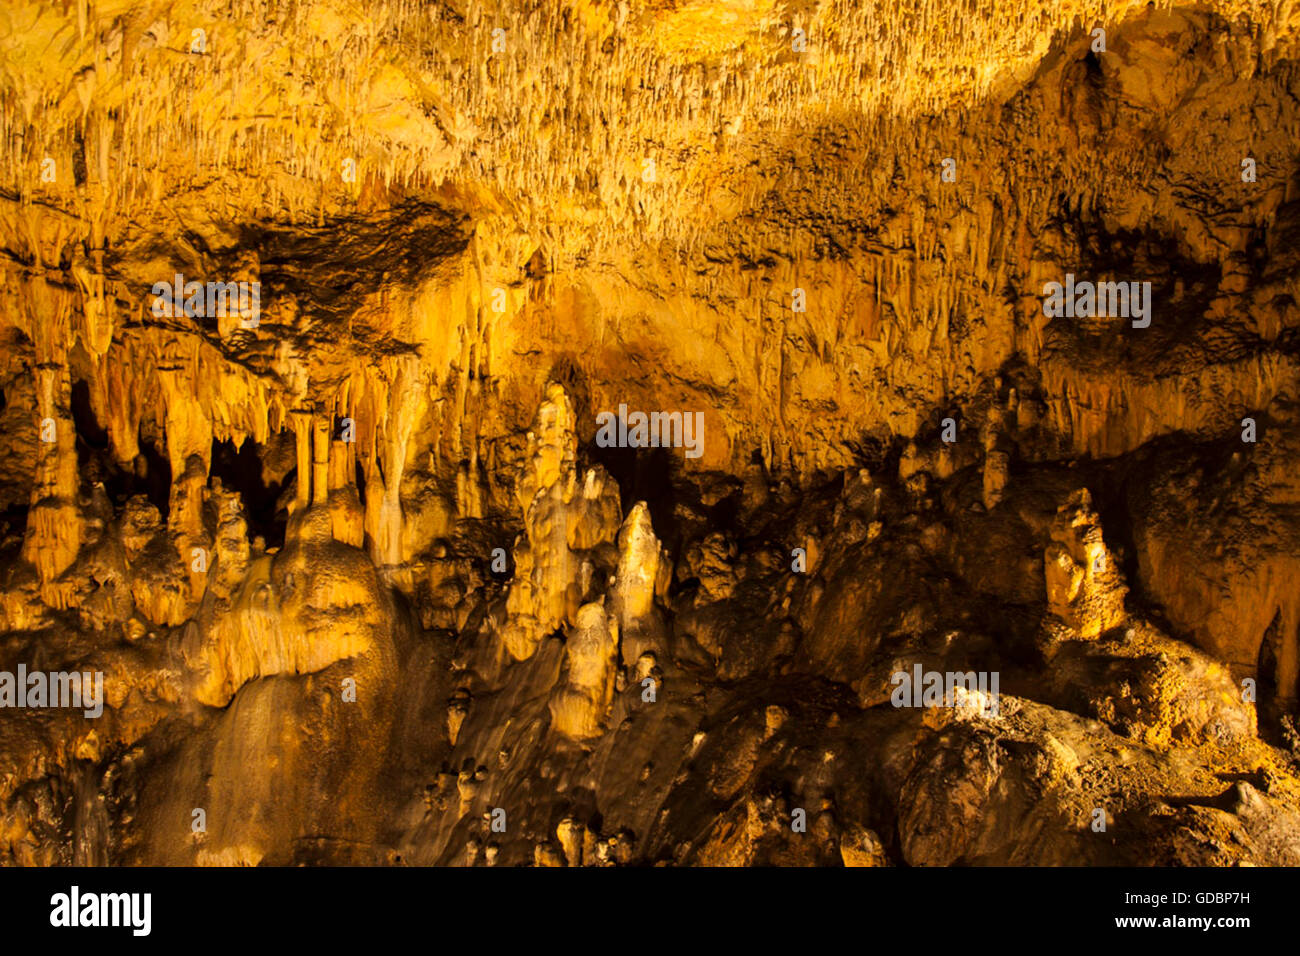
312,312
562,520
581,701
1085,588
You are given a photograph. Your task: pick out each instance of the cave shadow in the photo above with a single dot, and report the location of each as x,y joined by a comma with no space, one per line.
150,475
240,470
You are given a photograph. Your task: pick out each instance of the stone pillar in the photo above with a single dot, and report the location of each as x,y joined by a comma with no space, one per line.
320,460
301,422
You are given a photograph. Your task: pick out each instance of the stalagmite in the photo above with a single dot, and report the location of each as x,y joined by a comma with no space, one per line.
1085,586
561,521
643,572
581,702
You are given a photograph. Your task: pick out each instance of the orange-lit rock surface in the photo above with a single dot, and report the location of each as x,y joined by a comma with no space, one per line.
367,584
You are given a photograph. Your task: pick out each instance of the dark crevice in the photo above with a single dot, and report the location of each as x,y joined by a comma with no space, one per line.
361,484
644,474
149,475
1267,703
153,477
240,470
92,439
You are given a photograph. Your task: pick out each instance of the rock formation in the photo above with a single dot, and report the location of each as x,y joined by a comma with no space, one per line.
311,314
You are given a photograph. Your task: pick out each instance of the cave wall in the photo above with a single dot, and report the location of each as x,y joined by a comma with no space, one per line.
471,242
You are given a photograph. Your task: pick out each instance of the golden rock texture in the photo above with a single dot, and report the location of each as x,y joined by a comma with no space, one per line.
364,582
